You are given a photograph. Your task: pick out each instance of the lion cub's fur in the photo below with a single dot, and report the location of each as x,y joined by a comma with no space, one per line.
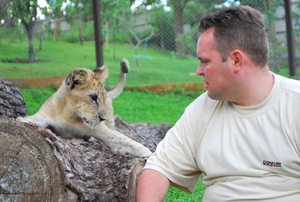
82,108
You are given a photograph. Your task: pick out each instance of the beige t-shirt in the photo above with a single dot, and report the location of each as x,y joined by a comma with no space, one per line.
246,153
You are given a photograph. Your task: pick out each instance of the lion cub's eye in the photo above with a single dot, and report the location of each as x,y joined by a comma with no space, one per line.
94,98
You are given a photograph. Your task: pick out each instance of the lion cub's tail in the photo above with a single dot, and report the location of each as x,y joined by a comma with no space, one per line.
119,88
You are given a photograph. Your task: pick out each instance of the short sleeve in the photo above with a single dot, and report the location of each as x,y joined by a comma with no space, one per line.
175,155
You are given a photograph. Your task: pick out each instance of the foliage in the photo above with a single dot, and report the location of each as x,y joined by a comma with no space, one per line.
13,34
54,11
190,40
146,2
163,22
71,36
296,16
26,12
110,10
5,13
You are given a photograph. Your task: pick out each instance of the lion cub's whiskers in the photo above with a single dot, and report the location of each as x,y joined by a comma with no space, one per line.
91,123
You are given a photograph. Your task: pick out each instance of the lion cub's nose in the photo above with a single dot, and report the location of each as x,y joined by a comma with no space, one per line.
101,119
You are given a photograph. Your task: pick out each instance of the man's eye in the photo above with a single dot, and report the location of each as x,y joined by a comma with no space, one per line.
204,62
94,98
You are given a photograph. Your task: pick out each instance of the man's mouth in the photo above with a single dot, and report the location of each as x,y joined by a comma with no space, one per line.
205,84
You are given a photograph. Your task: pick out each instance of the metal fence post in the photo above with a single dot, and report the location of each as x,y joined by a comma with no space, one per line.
290,37
98,32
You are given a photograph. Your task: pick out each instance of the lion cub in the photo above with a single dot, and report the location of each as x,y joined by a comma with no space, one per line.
82,108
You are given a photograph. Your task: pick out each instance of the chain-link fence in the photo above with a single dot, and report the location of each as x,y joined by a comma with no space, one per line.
168,27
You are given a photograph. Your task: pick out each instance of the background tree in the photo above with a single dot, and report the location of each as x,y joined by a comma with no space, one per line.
162,21
76,13
26,12
55,11
183,11
113,15
178,6
5,14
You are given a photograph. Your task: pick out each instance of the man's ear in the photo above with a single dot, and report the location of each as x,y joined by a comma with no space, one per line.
236,57
102,72
77,79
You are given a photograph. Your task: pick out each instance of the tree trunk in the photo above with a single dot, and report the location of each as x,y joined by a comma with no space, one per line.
30,31
178,12
81,39
41,44
37,165
162,32
56,29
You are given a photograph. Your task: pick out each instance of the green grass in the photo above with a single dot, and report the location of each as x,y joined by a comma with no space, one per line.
35,97
176,195
60,58
155,108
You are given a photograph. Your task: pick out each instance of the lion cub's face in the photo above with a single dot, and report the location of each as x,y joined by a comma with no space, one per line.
86,96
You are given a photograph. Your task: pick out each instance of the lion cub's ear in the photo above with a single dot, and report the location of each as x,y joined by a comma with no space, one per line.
78,78
102,72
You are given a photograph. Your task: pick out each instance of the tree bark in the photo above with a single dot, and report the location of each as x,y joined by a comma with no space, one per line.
178,22
11,101
30,31
37,164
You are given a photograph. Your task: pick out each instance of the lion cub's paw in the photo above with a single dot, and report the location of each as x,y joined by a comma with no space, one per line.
92,139
23,120
145,153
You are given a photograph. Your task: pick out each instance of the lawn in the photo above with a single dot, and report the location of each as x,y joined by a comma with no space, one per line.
60,58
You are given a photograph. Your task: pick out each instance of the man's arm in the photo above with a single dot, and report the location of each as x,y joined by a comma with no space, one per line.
152,186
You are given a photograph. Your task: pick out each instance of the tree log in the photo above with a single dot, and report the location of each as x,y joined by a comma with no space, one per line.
29,170
11,101
37,165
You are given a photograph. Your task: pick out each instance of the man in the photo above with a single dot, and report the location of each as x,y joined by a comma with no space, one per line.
243,133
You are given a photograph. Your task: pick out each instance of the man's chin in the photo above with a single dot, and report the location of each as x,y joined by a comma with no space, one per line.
212,95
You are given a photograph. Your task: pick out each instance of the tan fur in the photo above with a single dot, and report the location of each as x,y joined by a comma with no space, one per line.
82,108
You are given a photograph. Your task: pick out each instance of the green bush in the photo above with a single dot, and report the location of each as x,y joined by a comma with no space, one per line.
13,34
72,35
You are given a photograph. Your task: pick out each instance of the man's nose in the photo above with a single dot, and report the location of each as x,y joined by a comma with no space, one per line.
200,70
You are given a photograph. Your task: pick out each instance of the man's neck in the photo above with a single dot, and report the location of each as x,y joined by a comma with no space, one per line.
257,89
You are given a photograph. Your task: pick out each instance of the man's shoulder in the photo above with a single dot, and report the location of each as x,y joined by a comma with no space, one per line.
289,84
205,100
203,104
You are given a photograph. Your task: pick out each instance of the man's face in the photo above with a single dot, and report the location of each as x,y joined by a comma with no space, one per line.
218,76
